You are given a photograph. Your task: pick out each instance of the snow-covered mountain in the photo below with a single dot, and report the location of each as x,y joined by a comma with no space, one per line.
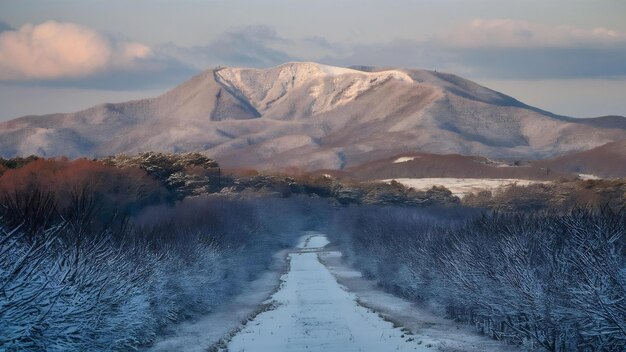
312,116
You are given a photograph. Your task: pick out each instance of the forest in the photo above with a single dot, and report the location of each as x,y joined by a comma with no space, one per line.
554,281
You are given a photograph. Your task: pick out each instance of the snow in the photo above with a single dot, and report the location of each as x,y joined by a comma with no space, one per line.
199,335
316,242
404,159
588,177
442,334
284,143
330,86
321,305
312,100
461,187
314,313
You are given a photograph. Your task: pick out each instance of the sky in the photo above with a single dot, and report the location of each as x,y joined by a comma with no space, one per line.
565,56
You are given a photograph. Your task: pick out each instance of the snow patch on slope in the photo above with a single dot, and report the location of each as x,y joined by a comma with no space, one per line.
404,159
588,177
330,86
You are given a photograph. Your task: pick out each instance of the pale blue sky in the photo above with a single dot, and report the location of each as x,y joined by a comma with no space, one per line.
566,56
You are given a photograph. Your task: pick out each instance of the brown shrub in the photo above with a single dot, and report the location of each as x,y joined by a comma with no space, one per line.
113,189
560,195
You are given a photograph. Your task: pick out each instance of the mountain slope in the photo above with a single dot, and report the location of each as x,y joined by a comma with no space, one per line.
605,161
425,165
311,116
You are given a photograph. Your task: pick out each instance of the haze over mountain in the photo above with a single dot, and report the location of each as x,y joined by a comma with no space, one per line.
313,116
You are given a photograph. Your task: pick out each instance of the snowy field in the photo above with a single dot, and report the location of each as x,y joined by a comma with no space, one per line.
462,186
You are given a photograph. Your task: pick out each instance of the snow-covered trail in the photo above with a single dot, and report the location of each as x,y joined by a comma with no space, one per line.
314,313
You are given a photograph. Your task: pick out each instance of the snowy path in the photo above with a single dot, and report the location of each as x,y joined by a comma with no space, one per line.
314,313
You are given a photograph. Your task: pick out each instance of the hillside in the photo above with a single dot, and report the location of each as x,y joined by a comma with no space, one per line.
606,161
425,165
312,116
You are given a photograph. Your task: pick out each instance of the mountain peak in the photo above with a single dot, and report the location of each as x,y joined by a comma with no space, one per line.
335,86
304,70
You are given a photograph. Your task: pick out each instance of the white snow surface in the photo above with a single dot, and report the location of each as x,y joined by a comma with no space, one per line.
404,159
461,187
321,305
314,313
429,329
199,335
331,86
588,177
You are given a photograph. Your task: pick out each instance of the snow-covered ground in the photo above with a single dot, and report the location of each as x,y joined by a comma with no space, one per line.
330,86
404,159
314,313
321,305
432,330
199,335
462,186
588,177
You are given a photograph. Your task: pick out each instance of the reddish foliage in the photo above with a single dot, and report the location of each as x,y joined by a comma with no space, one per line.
114,188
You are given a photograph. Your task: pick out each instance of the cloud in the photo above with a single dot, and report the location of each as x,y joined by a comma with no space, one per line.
396,53
509,33
506,48
54,54
541,63
70,55
5,26
255,46
496,48
500,48
250,46
318,42
60,50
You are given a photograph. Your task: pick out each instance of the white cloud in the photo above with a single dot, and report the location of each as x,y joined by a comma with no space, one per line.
52,50
509,33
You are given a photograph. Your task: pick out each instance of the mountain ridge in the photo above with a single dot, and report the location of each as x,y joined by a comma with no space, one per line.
312,116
